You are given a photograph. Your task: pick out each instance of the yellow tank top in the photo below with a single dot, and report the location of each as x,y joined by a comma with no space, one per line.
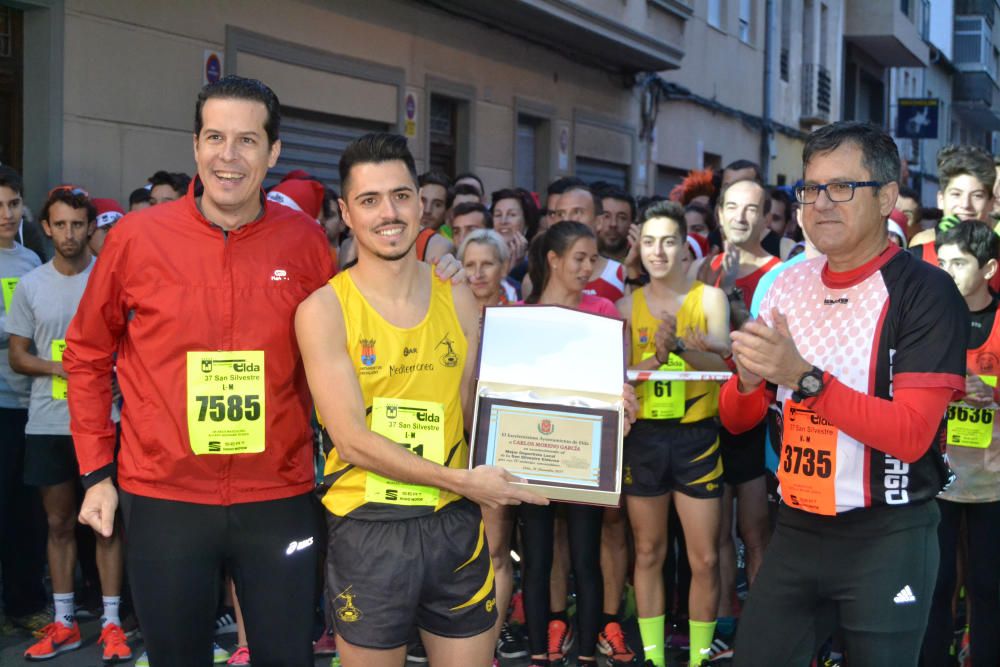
410,380
686,402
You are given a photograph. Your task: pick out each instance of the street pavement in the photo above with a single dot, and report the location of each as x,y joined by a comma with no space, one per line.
12,650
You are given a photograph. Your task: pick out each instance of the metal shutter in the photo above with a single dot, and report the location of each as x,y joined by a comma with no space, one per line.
314,142
591,170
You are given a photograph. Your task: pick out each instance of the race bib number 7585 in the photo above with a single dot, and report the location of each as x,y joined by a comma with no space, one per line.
225,402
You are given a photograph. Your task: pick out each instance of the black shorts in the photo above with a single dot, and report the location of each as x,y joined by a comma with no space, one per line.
660,457
433,572
870,572
49,460
743,454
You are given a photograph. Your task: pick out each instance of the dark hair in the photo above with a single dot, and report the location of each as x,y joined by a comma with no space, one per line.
434,177
740,165
909,193
330,197
779,193
467,207
72,197
666,209
529,209
558,238
9,178
643,202
973,238
469,174
461,189
704,212
177,180
241,88
139,196
616,193
879,154
954,161
376,147
767,198
561,185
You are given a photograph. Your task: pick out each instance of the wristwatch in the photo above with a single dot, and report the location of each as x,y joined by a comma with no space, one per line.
680,348
810,384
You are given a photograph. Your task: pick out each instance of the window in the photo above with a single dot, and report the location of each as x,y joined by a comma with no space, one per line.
715,13
786,39
973,45
746,14
531,169
444,131
824,35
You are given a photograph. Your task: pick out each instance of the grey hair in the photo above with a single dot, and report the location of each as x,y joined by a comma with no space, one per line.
485,237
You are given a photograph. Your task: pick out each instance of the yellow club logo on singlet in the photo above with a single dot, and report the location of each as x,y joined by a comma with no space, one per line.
449,359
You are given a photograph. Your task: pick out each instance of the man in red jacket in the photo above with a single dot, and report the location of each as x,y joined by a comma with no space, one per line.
192,303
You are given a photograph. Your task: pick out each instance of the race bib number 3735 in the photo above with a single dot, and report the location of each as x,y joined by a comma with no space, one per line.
808,464
225,402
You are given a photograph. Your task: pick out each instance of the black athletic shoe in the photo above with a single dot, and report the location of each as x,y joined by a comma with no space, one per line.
511,644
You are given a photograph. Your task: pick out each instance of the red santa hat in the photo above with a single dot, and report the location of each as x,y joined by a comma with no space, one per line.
698,244
302,195
897,223
108,211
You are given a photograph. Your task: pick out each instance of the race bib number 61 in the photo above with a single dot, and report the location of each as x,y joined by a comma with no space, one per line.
225,402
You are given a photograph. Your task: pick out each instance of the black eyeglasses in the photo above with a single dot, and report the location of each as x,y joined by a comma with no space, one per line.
837,192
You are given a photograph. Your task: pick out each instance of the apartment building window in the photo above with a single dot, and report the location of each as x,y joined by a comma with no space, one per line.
973,45
824,35
904,6
715,13
746,15
786,40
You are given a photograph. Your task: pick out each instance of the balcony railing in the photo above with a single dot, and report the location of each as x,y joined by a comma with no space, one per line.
816,94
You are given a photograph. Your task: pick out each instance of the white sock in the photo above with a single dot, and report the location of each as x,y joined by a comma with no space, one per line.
65,612
111,606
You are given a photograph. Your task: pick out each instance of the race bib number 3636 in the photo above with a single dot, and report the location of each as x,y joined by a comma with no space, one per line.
225,402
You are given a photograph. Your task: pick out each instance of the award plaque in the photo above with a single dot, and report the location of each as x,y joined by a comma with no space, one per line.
548,401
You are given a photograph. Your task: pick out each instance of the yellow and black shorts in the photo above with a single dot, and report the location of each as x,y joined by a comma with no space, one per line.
662,456
431,572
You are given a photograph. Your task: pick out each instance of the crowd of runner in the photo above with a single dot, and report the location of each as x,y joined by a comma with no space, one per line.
210,403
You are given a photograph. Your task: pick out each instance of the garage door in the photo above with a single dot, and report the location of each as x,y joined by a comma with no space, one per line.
314,142
591,171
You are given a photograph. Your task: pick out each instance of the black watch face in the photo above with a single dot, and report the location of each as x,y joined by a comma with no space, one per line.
810,384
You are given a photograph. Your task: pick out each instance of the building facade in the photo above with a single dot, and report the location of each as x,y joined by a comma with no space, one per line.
520,91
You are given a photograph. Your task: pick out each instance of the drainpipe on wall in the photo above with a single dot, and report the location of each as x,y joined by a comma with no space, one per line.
765,132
